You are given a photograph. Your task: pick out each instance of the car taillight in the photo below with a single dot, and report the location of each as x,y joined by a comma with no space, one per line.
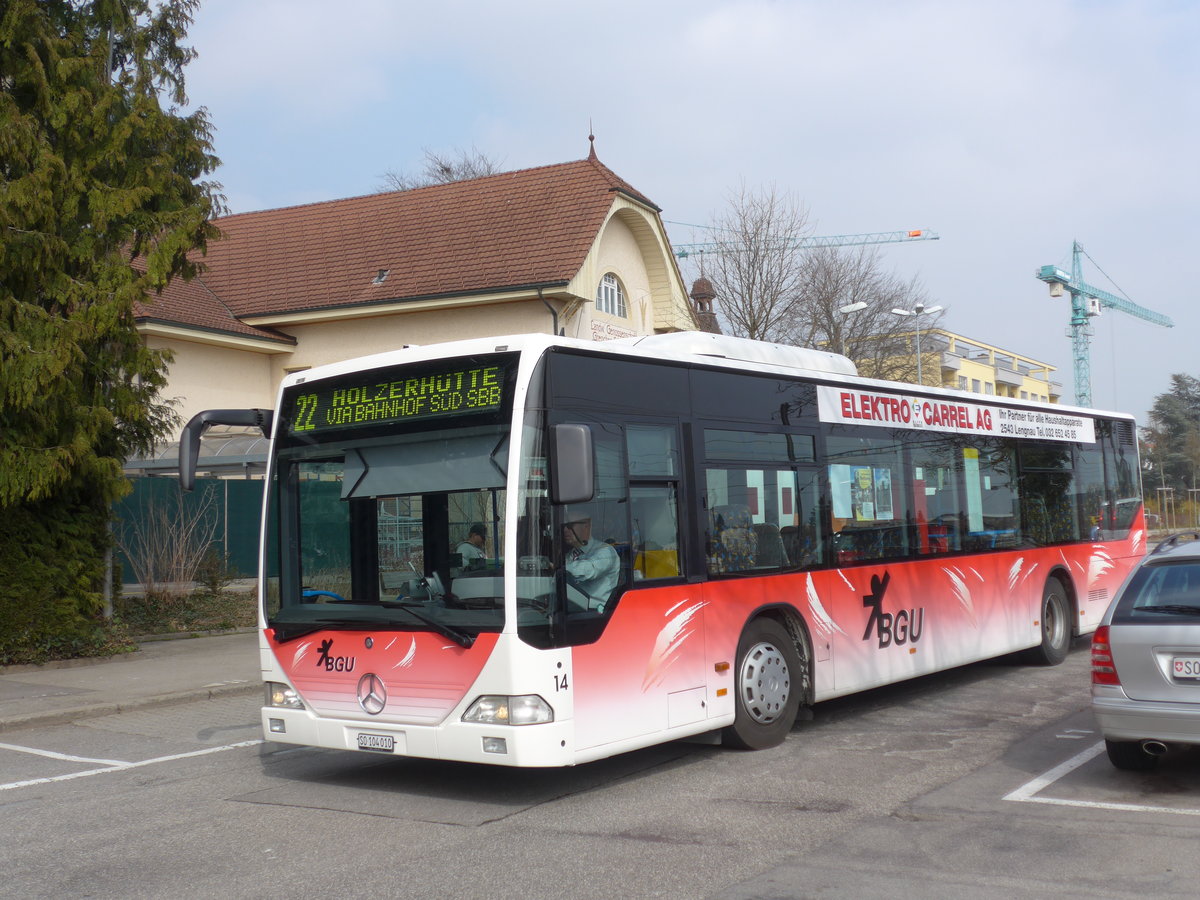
1103,670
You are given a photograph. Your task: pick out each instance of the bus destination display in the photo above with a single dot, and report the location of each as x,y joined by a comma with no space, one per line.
409,397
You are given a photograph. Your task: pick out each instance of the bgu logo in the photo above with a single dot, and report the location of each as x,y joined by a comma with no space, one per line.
899,629
332,663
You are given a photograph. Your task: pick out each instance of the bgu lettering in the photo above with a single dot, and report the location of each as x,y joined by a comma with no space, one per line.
330,663
904,626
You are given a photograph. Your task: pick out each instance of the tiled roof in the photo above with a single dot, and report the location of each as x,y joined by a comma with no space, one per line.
192,305
532,227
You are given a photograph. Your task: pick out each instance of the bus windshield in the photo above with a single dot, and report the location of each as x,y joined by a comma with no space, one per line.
395,533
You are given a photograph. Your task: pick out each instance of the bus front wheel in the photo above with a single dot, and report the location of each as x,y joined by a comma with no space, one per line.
768,686
1057,622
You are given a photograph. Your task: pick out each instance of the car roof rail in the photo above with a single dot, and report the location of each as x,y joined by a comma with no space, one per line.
1171,541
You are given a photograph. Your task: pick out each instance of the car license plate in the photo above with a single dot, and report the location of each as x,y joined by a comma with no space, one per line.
380,743
1186,668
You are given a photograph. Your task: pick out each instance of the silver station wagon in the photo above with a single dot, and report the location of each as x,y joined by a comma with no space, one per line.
1146,657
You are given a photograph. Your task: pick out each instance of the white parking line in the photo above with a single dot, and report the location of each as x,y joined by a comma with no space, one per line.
53,755
109,765
1027,792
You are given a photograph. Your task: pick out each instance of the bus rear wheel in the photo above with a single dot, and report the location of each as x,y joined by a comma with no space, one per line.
768,683
1056,622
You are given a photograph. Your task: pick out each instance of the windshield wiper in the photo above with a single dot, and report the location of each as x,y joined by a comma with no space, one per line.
289,631
1181,609
459,637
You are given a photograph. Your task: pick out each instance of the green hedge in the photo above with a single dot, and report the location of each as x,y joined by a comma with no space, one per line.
51,578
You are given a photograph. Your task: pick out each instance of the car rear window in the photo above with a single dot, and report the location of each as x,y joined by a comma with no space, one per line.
1161,591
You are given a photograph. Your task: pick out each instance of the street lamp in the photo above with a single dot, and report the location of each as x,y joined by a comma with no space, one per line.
916,312
850,308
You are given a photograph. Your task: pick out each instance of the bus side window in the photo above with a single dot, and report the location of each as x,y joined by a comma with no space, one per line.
609,509
654,471
869,516
800,524
760,520
1046,490
727,529
655,531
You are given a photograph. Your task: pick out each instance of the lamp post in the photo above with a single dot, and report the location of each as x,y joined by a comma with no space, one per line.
916,312
846,310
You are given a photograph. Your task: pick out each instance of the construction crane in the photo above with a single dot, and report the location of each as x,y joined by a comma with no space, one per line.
1088,301
683,251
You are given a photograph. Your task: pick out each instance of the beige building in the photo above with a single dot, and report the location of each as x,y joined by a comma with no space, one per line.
570,248
953,361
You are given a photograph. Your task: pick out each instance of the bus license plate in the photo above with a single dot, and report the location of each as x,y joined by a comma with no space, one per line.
380,743
1186,668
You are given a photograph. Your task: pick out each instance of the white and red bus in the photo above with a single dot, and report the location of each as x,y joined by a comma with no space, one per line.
766,530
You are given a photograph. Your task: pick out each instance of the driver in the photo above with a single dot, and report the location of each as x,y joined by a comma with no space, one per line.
472,549
593,565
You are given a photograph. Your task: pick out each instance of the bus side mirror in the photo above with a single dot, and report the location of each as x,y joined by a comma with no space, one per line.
572,466
189,439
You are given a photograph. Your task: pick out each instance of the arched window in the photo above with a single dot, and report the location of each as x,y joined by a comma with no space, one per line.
610,297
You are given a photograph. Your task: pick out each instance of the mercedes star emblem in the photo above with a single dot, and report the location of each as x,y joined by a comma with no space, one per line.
372,695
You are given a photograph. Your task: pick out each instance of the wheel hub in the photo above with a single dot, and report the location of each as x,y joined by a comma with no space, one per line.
764,683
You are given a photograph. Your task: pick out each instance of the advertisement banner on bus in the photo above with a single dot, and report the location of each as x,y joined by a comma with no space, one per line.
855,406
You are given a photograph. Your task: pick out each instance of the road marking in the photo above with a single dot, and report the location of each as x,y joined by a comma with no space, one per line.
116,766
1027,792
53,755
1074,734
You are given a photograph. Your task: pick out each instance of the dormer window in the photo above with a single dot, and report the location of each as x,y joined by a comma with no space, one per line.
610,297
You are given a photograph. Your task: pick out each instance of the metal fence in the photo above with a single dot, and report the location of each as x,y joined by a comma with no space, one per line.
230,507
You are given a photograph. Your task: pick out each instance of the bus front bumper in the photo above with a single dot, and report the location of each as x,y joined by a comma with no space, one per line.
549,744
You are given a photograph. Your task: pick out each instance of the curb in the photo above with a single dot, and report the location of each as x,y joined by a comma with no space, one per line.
189,635
77,661
95,710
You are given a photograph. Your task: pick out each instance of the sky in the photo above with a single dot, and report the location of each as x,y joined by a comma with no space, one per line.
1011,129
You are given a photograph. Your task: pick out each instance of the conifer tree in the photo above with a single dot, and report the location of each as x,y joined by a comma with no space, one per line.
102,199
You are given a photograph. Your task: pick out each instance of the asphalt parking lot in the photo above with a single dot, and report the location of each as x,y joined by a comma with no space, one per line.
989,781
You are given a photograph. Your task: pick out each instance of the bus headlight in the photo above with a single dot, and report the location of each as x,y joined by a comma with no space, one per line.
283,696
498,709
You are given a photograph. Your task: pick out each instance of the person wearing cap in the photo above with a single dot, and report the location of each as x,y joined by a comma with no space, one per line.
593,566
472,548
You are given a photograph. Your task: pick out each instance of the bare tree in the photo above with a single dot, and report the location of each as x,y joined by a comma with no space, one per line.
772,285
755,266
880,342
443,168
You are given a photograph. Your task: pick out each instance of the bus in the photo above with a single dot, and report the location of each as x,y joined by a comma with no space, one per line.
539,551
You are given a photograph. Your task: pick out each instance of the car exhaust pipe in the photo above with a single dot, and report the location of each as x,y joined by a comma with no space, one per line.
1154,748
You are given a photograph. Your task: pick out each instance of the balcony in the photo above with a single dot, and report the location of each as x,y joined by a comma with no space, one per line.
1009,376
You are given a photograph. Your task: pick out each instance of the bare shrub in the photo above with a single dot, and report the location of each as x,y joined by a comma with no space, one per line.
167,544
214,573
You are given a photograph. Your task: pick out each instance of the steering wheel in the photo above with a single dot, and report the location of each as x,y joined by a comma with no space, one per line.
309,593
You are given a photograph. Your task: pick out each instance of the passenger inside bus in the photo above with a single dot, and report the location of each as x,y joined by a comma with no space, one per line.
736,547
